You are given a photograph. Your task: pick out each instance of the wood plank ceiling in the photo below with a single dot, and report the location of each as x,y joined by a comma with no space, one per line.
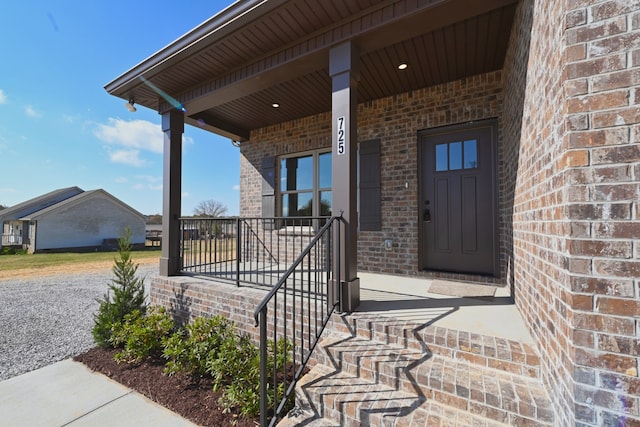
435,53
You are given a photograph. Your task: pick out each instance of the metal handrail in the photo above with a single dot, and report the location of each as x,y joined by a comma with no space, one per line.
307,306
245,250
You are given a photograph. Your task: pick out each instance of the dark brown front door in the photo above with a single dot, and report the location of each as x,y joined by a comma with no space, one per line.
458,198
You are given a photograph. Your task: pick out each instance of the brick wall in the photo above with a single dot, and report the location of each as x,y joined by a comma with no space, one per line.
569,167
574,261
395,121
532,152
602,167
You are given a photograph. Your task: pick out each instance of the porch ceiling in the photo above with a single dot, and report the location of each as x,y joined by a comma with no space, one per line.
229,71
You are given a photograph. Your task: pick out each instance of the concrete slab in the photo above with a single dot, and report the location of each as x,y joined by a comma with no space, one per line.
408,298
67,393
131,410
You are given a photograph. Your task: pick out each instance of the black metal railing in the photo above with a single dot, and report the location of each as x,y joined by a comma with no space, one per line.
244,250
292,318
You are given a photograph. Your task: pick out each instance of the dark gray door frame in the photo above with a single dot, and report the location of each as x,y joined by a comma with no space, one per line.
423,135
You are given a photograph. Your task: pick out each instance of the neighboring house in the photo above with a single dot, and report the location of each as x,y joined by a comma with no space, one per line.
71,219
493,141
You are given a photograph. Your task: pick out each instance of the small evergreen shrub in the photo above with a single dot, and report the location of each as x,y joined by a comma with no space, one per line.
125,294
141,336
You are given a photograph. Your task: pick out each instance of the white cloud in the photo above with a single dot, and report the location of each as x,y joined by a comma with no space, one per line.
3,97
69,118
149,182
121,180
133,134
236,187
31,112
127,157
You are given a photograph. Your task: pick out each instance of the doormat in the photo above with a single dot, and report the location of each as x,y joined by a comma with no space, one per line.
461,289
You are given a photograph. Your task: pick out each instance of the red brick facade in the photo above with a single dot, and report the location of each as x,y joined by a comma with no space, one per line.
569,166
476,98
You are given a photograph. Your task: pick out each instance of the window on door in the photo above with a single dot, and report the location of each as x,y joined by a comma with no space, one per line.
305,184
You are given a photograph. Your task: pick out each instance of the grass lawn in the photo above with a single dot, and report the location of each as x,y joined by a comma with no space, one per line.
43,261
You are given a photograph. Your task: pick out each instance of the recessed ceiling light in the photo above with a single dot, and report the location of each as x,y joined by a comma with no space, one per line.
275,105
403,66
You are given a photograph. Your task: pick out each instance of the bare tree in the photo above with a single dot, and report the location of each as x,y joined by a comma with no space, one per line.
210,208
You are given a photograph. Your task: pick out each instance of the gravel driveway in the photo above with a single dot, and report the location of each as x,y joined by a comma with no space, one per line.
47,319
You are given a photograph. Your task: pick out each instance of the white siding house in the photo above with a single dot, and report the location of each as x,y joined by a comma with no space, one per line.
83,220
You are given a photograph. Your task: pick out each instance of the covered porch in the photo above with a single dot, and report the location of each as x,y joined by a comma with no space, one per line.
300,85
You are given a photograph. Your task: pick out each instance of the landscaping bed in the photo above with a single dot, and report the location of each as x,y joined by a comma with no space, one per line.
192,399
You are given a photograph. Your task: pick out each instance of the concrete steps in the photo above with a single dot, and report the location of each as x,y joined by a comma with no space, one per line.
393,375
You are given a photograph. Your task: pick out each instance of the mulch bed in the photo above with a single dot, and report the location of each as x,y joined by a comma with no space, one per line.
192,399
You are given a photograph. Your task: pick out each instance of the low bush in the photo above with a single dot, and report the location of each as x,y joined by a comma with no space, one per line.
189,350
141,336
207,347
236,372
12,251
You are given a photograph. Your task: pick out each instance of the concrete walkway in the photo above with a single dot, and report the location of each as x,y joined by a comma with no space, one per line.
67,393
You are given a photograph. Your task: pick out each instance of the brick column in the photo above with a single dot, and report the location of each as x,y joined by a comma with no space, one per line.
602,163
173,127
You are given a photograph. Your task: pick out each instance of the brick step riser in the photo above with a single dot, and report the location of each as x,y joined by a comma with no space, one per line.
490,352
390,409
426,376
347,414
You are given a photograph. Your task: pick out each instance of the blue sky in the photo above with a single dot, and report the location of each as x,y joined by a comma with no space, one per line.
60,128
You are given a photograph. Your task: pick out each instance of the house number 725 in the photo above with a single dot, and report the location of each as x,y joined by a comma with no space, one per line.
341,140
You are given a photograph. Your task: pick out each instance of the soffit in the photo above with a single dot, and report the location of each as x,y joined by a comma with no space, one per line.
280,54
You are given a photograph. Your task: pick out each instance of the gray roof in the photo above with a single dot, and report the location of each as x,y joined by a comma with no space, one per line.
71,200
38,203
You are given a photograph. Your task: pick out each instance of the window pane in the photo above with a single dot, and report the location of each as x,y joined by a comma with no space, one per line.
470,154
297,204
455,155
442,163
296,173
325,203
325,170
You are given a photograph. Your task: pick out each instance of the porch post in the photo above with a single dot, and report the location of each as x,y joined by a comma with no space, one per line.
173,127
343,69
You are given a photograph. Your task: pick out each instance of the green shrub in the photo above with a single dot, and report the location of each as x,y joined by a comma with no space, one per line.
236,371
141,336
189,350
12,251
128,294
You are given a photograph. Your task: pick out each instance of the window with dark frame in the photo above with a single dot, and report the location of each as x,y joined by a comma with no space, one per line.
305,184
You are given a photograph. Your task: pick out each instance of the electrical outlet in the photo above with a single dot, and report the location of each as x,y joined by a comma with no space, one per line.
388,244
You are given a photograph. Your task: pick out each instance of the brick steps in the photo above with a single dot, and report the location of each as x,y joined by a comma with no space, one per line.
492,352
389,378
342,399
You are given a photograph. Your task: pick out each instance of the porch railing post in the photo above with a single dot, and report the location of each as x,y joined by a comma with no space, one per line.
264,401
238,249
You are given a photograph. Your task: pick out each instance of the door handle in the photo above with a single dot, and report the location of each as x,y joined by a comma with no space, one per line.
426,217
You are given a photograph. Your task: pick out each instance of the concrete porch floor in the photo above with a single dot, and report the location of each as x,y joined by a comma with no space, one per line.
409,299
